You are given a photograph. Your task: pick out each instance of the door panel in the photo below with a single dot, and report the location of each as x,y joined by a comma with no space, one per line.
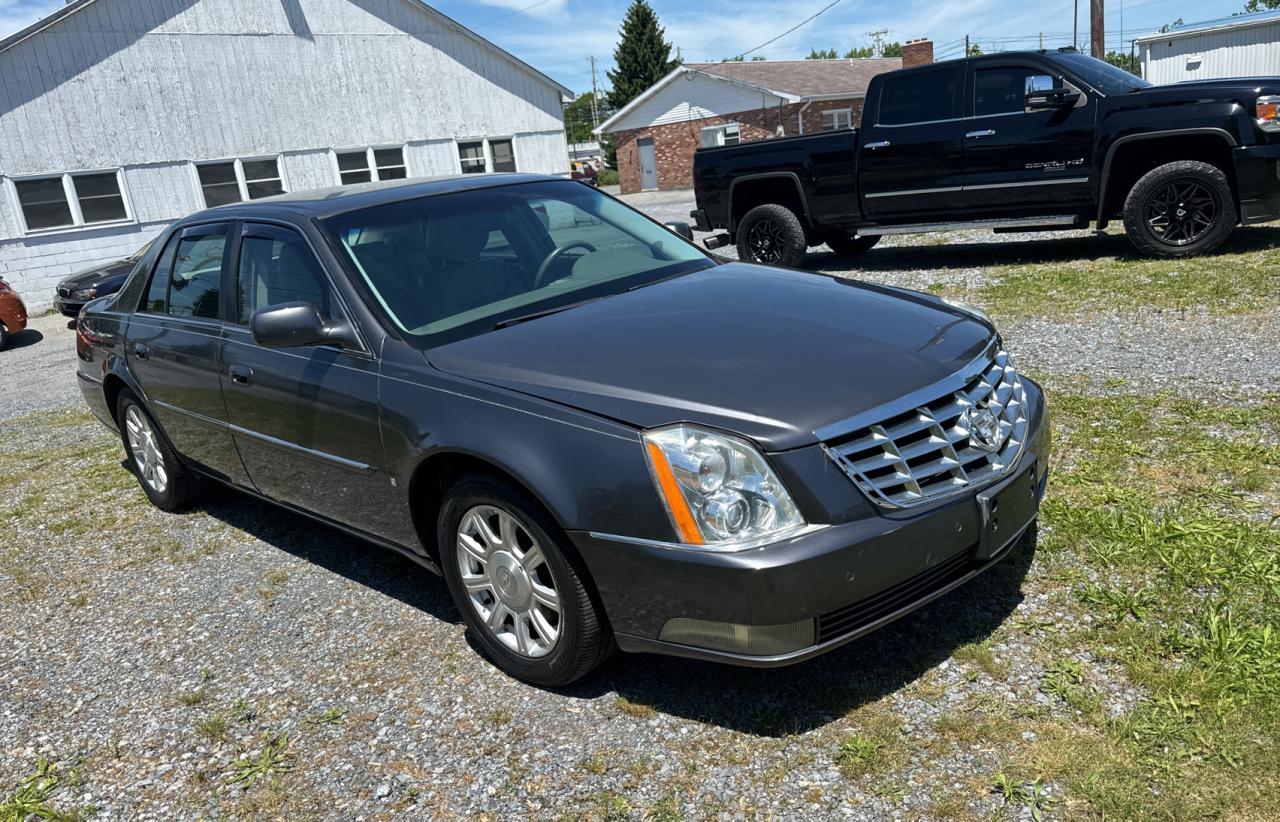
305,419
648,163
1019,163
911,161
174,347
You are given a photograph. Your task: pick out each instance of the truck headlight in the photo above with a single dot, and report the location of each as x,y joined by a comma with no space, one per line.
720,493
1268,112
84,294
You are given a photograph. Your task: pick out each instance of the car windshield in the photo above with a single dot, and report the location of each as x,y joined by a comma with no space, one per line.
1104,77
453,265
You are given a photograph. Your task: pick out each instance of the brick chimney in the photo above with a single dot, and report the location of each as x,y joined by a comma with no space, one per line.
917,52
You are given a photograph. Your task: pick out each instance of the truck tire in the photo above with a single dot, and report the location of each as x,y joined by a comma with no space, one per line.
771,234
851,245
1180,209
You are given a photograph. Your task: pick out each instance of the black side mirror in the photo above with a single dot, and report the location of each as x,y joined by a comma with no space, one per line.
1051,99
682,229
293,324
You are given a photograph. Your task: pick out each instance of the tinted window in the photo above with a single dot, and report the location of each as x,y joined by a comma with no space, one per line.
1002,90
920,98
44,203
504,158
390,162
219,184
100,198
353,167
278,267
262,178
196,280
157,300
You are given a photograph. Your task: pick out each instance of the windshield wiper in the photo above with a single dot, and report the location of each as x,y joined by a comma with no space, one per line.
524,318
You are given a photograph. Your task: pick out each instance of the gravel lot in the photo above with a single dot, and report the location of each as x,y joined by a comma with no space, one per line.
159,659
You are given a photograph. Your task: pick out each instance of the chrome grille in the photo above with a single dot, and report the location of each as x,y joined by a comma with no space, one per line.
929,451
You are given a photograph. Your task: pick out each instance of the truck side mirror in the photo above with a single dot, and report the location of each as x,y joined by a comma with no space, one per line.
1044,94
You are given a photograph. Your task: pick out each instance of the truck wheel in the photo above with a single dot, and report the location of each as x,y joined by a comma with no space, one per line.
849,245
772,235
1180,209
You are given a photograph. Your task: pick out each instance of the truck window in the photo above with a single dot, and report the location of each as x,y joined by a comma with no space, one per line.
1002,90
920,98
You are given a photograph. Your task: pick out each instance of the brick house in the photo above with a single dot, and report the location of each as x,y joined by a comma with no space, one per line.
704,104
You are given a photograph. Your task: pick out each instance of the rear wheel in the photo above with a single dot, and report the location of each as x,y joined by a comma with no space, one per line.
169,484
1180,209
772,234
522,593
851,245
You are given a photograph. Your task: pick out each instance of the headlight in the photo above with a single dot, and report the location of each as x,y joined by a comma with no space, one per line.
718,490
84,294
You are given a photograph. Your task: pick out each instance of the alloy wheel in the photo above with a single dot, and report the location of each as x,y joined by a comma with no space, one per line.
1181,212
145,450
766,241
508,581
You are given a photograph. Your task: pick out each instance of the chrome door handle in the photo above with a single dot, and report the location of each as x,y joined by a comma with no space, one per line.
874,146
986,132
241,374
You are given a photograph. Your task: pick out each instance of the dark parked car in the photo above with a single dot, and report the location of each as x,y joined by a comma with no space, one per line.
91,283
1017,141
598,433
13,313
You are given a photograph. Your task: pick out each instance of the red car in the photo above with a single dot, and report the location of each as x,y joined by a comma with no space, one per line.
586,173
13,313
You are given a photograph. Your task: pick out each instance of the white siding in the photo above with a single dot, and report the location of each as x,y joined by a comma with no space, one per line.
1244,51
152,86
691,97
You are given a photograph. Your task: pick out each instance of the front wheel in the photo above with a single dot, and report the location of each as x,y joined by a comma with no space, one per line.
851,245
522,594
772,235
1179,210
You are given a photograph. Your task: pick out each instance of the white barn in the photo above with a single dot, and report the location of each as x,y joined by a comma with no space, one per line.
118,116
1246,45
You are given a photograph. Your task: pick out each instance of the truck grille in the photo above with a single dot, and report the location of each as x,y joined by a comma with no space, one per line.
938,448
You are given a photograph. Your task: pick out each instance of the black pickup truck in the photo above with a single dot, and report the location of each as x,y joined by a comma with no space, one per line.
1020,141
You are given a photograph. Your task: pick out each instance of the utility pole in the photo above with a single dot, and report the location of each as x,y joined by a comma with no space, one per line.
877,40
1075,25
1042,41
595,115
1097,30
966,45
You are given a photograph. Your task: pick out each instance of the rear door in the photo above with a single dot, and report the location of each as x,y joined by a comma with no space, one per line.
1020,163
174,344
305,418
911,160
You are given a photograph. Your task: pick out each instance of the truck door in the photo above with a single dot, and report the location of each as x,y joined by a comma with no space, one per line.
911,155
1020,162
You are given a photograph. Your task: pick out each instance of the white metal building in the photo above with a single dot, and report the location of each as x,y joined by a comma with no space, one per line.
1247,45
118,116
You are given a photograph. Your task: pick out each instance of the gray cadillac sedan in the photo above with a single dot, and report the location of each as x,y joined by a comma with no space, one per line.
600,435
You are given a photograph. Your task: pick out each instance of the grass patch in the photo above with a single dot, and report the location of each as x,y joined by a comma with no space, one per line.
31,798
639,710
270,761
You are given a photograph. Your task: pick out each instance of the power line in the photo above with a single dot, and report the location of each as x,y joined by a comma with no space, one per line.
502,17
803,22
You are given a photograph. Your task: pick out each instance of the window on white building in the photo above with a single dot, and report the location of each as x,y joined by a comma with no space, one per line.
233,181
504,156
729,134
836,119
68,200
364,164
479,156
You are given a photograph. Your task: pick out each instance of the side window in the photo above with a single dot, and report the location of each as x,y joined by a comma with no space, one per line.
920,98
196,282
157,300
277,266
1001,90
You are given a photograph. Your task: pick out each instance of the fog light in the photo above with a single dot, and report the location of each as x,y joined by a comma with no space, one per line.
749,640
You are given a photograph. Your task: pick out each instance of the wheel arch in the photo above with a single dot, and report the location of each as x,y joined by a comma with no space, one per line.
1130,157
778,187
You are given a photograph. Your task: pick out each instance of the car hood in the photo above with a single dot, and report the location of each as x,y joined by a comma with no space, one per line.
1225,88
767,353
96,275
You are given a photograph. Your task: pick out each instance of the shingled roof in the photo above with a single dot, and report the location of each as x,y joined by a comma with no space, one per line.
804,78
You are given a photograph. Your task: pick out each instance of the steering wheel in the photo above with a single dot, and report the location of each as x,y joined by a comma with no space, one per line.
559,252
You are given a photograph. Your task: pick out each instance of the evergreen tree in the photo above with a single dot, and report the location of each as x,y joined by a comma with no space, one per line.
642,57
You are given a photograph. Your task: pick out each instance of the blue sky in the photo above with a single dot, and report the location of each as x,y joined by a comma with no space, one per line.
558,36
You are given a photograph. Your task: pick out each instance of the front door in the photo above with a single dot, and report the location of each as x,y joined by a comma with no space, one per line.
1020,163
174,344
648,164
911,159
304,418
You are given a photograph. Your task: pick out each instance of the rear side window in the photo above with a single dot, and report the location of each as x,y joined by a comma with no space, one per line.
188,278
277,266
157,301
920,98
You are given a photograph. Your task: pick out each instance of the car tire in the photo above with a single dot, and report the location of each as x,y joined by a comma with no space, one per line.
1162,224
4,335
851,245
772,234
169,484
507,584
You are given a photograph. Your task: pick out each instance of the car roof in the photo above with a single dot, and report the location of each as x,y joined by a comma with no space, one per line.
326,202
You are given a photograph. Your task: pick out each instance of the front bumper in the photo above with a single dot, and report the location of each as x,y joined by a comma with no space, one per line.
1258,182
846,580
68,307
